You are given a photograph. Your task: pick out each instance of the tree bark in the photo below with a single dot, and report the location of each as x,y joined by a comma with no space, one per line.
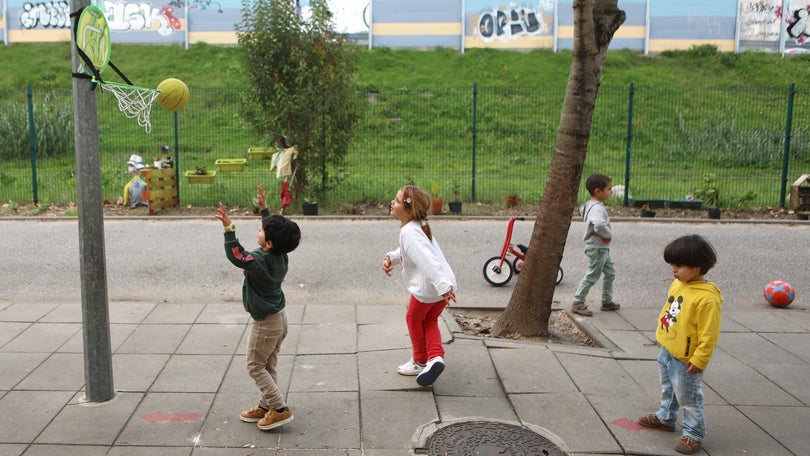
529,308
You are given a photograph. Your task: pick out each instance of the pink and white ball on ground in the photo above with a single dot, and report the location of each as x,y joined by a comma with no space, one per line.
779,293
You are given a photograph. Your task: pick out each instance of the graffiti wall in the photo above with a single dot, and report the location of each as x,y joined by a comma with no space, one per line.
651,25
490,23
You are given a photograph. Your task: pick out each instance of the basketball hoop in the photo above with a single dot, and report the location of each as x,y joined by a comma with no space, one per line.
92,36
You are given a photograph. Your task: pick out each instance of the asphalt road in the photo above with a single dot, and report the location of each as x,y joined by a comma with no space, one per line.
338,260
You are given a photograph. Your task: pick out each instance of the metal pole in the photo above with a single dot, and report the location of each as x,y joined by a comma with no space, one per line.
32,142
95,312
786,153
629,142
176,158
474,134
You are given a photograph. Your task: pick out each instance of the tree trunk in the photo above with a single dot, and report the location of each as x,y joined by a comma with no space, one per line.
529,309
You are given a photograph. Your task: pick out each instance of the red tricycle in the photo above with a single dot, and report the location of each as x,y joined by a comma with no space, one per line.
498,270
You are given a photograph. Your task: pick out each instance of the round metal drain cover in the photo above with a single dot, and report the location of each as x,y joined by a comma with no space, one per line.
486,438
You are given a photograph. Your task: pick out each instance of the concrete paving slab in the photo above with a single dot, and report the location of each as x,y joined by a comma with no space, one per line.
64,313
325,313
788,425
288,347
796,343
42,337
641,319
149,451
797,315
129,311
468,372
224,313
119,333
645,374
383,336
81,423
335,452
201,451
10,330
570,417
26,311
755,349
16,366
167,419
137,372
620,415
739,384
730,432
212,339
60,372
192,373
387,452
323,420
176,313
378,371
327,338
370,314
155,339
599,376
792,378
771,320
470,408
24,414
387,416
531,369
633,344
294,311
313,373
78,450
12,449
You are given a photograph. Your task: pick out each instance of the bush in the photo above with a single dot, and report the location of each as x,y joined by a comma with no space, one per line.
53,119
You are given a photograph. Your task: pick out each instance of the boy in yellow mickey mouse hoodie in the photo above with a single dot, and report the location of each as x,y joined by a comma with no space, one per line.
688,329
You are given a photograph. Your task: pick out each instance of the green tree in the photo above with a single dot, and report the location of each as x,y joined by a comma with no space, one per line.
529,308
301,85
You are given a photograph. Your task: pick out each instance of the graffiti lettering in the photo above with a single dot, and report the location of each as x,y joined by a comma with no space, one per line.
517,21
760,20
799,25
45,14
126,17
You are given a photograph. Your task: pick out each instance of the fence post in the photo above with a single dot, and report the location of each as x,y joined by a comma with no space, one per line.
176,160
629,142
32,142
786,153
474,134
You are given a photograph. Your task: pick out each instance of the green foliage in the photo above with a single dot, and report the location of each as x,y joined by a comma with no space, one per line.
53,123
301,85
710,191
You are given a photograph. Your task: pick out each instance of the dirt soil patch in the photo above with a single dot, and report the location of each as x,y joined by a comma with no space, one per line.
562,329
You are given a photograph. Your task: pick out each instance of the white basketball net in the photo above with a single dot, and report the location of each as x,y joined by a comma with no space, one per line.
134,102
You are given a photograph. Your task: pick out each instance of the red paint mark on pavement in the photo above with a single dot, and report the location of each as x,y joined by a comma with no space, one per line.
154,417
629,424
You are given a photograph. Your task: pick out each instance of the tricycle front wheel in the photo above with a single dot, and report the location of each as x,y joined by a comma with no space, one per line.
497,274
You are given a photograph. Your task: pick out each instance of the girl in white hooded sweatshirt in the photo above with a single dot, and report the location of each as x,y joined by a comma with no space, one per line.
428,278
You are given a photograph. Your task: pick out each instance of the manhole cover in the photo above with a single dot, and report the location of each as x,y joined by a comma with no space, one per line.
485,438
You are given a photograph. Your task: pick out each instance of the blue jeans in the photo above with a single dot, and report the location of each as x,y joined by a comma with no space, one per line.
599,264
679,389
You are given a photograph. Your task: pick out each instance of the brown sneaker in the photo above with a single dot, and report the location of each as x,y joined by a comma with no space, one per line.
687,445
652,421
274,419
253,415
610,306
581,308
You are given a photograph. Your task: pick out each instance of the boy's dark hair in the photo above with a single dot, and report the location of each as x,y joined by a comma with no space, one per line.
691,250
282,232
595,181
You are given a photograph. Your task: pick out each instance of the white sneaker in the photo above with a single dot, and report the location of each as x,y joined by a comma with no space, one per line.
410,368
433,369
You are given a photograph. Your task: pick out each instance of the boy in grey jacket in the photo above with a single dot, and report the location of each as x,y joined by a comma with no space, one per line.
597,246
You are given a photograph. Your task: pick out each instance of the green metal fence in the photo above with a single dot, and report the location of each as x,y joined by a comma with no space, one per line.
477,143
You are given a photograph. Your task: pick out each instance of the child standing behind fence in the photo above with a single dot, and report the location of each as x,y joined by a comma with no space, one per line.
428,278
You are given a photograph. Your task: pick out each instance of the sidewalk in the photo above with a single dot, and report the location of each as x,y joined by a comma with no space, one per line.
181,382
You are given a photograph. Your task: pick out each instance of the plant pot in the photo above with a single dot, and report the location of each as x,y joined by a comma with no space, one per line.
309,208
261,153
647,213
194,178
714,213
455,207
231,164
436,206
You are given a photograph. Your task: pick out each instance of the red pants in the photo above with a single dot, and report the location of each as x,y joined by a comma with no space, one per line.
423,327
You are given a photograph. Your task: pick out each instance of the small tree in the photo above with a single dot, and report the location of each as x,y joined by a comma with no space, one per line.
301,77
